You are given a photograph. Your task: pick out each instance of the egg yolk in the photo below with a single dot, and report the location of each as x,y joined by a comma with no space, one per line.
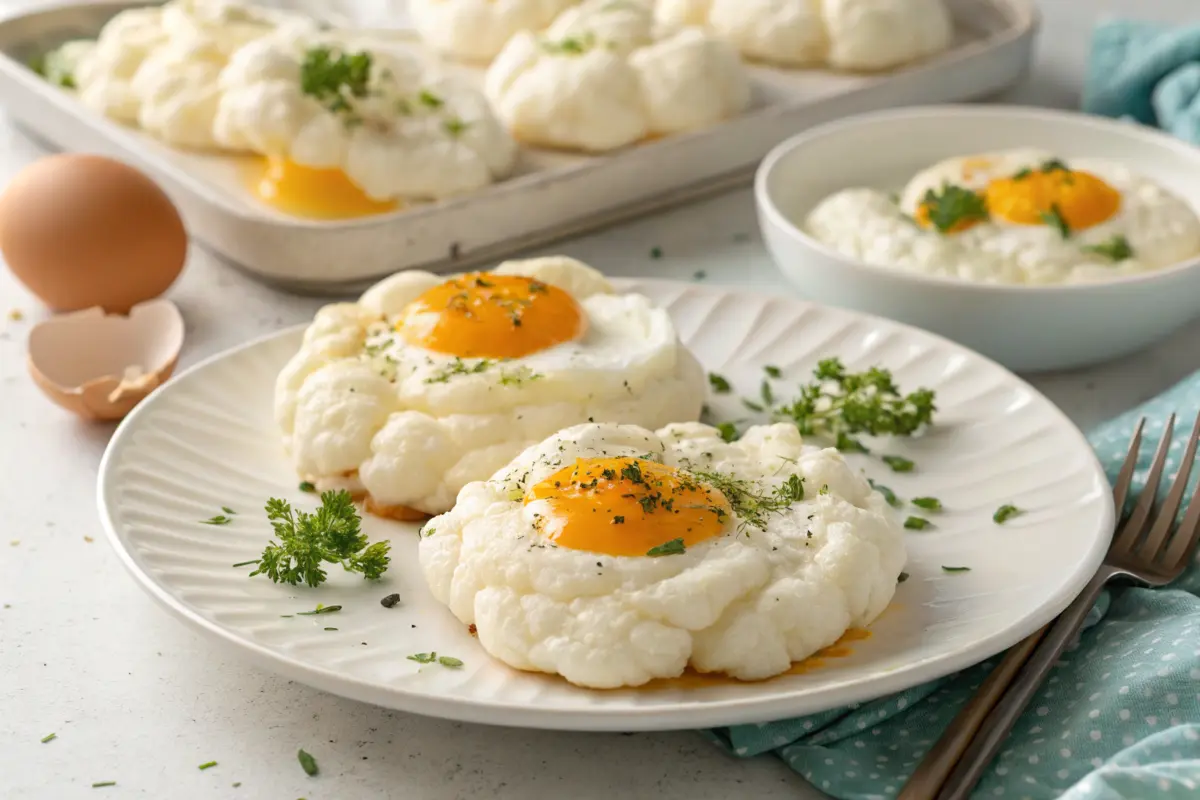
314,193
627,507
1082,199
484,315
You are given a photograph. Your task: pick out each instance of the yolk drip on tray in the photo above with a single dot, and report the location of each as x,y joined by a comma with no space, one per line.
313,193
483,315
627,507
1031,197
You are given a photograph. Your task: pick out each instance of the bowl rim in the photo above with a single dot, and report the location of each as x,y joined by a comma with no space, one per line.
771,212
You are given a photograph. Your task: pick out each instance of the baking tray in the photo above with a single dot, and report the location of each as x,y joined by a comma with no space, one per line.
552,196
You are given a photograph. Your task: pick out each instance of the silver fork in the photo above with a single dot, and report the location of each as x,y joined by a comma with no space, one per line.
1143,550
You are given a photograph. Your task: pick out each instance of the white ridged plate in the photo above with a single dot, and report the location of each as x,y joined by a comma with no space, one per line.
207,439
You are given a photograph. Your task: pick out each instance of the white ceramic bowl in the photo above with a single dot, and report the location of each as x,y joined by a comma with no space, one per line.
1028,328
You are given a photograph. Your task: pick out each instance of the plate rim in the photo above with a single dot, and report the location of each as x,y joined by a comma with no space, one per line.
683,716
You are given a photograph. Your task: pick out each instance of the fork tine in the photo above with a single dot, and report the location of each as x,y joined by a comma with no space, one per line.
1125,476
1165,520
1145,503
1189,529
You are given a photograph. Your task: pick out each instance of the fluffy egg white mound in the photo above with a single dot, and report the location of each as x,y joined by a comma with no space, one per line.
377,401
1109,202
158,67
747,601
476,30
605,75
864,35
411,135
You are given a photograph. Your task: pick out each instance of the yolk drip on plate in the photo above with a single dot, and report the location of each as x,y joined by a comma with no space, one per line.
627,507
313,193
483,315
1082,199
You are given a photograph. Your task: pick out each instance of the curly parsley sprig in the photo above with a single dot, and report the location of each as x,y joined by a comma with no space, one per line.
307,541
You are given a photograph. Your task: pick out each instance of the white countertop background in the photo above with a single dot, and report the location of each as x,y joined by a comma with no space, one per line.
136,698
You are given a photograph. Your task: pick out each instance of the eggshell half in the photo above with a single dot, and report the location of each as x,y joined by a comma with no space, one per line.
99,365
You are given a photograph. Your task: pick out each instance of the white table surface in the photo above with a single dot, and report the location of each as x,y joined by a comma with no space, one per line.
136,698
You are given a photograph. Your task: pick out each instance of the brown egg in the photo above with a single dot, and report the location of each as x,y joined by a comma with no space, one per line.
82,230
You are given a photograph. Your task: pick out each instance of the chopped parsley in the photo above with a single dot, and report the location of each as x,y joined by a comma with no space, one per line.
927,503
917,523
719,384
207,765
848,444
430,100
101,784
320,609
1116,248
899,463
571,46
674,547
953,207
1054,165
1005,513
54,68
518,376
955,569
307,763
335,78
1055,219
656,253
699,275
618,520
902,577
219,519
308,486
728,431
773,371
50,737
750,404
748,500
888,494
764,391
455,127
459,367
449,661
306,540
840,402
430,658
1022,174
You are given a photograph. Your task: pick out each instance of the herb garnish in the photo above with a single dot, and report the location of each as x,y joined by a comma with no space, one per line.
728,431
955,569
773,371
927,503
902,577
749,501
1114,249
1055,219
899,463
848,444
49,737
1022,174
455,127
518,376
953,207
449,661
838,402
308,486
572,45
429,658
219,519
751,405
917,523
459,367
719,384
618,520
306,541
888,494
307,762
656,253
334,78
1005,513
1053,165
100,784
674,547
320,609
207,765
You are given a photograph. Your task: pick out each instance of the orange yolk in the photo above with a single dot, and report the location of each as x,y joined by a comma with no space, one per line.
1083,199
314,193
627,507
483,315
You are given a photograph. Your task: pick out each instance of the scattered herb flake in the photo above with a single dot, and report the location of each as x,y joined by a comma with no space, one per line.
955,569
449,661
246,563
848,444
656,253
307,762
1055,219
101,784
899,463
750,404
331,629
455,127
208,765
953,207
308,486
902,578
917,523
1005,513
1022,174
888,494
764,391
390,601
728,431
618,520
674,547
320,609
430,100
1116,248
699,275
50,737
219,519
927,503
423,658
773,371
1054,165
719,384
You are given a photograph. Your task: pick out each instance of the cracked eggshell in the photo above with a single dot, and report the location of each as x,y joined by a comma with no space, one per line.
99,365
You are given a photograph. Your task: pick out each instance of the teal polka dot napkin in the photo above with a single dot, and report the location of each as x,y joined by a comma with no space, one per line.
1119,718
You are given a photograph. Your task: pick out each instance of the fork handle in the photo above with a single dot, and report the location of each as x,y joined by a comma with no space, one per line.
999,723
931,774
